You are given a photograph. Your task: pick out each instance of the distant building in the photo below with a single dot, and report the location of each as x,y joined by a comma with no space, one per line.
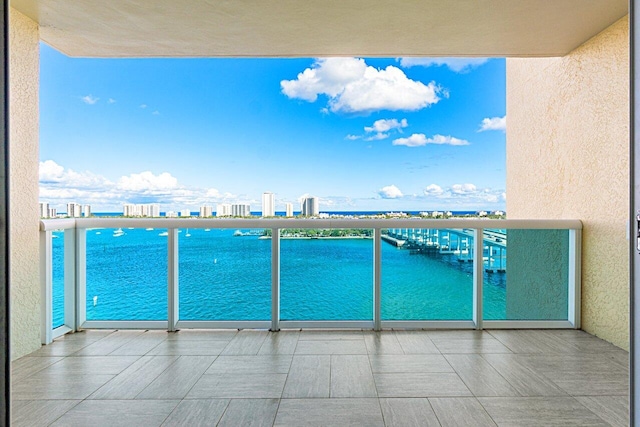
185,212
310,206
268,204
44,210
240,209
223,209
86,211
53,212
74,210
171,214
206,211
288,207
143,210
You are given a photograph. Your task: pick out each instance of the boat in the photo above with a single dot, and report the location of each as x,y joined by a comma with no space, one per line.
118,233
207,229
164,233
149,229
238,233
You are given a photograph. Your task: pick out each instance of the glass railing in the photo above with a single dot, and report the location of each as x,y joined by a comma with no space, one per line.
273,273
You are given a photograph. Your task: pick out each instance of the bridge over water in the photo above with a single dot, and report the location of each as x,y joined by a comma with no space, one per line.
457,242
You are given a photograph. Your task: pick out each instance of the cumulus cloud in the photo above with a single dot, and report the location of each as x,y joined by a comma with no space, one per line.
465,196
352,137
377,137
493,123
111,101
433,189
458,65
390,192
385,125
354,87
89,99
148,182
420,139
463,188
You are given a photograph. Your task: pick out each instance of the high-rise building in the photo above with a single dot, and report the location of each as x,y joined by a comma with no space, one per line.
171,214
185,212
44,210
268,204
240,209
288,209
53,212
74,210
86,211
206,211
223,209
148,210
310,206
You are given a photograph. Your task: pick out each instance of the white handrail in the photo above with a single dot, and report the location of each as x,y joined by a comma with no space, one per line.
84,223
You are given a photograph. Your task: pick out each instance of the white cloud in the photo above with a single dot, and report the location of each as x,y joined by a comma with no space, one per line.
89,99
419,139
385,125
352,137
143,106
458,65
156,113
377,137
148,182
463,188
111,101
390,192
493,123
433,189
352,86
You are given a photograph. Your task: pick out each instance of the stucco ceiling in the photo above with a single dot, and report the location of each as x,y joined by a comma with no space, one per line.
140,28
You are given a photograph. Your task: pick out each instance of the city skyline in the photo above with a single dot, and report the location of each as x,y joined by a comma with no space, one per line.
359,134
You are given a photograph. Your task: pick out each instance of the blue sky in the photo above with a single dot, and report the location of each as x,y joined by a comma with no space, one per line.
359,134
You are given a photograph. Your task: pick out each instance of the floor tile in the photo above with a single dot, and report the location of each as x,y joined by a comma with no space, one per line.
108,344
331,347
338,335
525,380
481,378
197,413
274,364
382,343
612,409
593,383
460,411
141,345
35,413
188,348
176,381
27,366
202,335
329,413
115,413
130,382
519,341
351,376
461,346
238,386
280,343
309,376
455,334
86,365
420,385
409,363
245,343
408,412
539,411
416,342
60,348
58,386
250,413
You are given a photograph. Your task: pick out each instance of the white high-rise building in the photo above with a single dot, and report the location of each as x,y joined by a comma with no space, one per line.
206,211
74,210
268,204
223,209
171,214
53,212
44,210
148,210
310,206
185,212
86,211
240,209
288,207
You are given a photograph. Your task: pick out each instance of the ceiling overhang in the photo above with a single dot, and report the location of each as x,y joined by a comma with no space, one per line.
210,28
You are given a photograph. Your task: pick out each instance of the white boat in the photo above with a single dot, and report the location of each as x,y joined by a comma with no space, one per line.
187,234
164,233
149,229
118,233
207,229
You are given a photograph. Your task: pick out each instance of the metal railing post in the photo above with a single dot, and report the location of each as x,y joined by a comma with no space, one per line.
275,279
81,277
173,300
478,273
575,277
46,287
70,272
377,279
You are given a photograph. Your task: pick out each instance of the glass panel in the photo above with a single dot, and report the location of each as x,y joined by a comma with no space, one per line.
530,280
127,274
57,247
225,275
326,274
427,274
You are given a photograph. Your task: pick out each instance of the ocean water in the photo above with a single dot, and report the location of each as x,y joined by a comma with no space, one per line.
224,277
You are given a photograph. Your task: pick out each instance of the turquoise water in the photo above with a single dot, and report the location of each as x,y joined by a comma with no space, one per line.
223,277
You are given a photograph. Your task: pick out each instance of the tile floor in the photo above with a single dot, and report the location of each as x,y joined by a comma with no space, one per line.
323,378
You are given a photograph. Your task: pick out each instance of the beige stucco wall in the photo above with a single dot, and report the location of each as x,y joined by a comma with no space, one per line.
23,174
567,157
